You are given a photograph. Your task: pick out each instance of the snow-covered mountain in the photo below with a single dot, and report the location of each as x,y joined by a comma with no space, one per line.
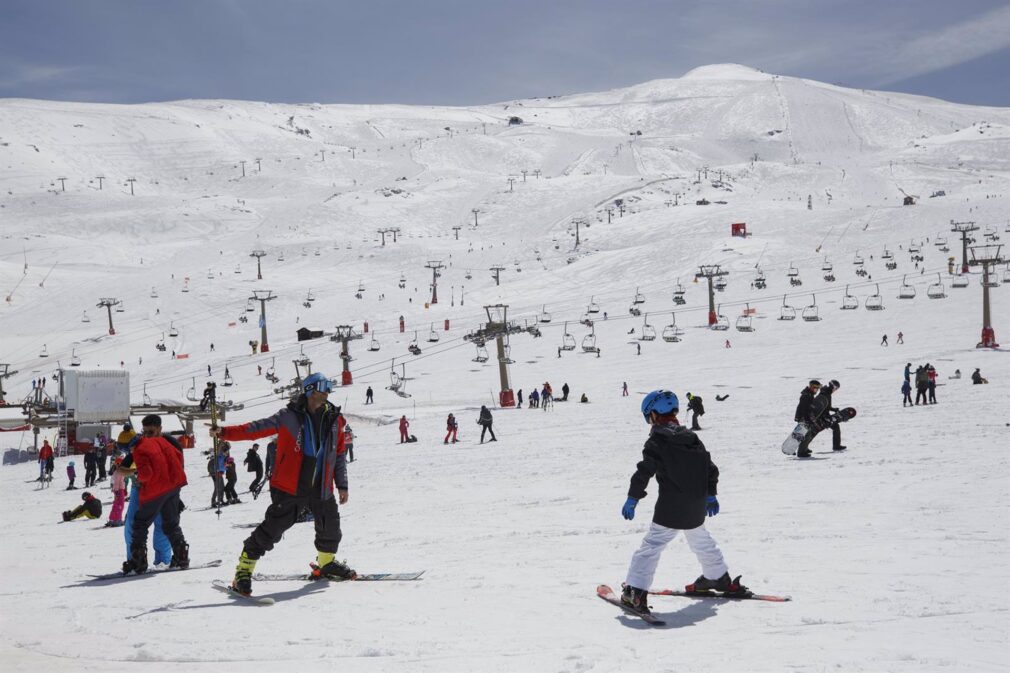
886,549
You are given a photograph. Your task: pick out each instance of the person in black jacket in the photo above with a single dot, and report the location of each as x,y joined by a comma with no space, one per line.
695,404
819,418
254,463
92,508
688,481
485,422
802,414
90,467
564,392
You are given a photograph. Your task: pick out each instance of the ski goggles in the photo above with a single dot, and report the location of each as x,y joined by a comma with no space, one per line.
321,386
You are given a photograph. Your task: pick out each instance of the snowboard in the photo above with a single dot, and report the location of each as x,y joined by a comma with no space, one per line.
153,571
792,443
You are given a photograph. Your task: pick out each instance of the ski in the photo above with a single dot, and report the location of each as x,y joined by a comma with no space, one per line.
153,571
367,577
226,588
729,597
607,594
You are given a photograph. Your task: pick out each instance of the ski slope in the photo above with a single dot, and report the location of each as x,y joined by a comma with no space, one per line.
890,550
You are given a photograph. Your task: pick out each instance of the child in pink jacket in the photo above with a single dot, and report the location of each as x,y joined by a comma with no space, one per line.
118,494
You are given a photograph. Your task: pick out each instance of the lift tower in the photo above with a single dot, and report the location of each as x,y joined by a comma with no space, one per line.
963,228
711,271
986,256
263,296
434,266
258,254
107,303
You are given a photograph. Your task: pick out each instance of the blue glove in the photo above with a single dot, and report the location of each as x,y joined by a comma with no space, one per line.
712,505
629,509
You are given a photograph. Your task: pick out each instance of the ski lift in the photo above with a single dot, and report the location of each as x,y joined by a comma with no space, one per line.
154,293
567,340
249,306
238,269
639,297
786,312
120,308
745,323
759,280
795,281
593,306
827,266
506,358
891,265
280,257
210,274
361,287
75,361
395,382
589,342
228,380
992,282
648,331
848,301
913,248
191,393
270,374
185,286
413,347
857,260
906,291
317,253
678,291
1006,274
721,322
84,317
586,320
433,335
403,281
940,241
306,304
672,333
720,284
161,343
373,346
793,272
544,315
810,313
310,296
887,254
172,332
944,248
44,353
635,311
829,277
959,281
482,355
874,302
936,291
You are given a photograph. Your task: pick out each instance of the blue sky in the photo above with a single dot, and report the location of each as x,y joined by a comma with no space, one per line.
459,52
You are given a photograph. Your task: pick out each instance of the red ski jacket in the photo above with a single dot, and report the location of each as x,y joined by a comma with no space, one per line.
159,468
46,452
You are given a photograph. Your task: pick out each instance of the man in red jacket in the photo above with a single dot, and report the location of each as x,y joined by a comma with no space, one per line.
161,475
310,462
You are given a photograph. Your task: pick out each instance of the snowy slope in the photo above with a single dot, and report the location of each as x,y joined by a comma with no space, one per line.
887,549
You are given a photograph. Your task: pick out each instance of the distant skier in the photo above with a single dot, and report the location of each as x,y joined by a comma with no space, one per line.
451,427
931,383
688,485
908,371
72,473
901,338
45,460
90,467
564,392
349,443
231,476
696,405
624,389
254,463
369,399
906,391
883,342
519,397
485,420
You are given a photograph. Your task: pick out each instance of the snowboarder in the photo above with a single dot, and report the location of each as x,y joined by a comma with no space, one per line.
485,421
254,463
804,409
696,405
72,473
451,427
819,416
688,485
310,466
564,392
404,424
161,473
369,396
91,508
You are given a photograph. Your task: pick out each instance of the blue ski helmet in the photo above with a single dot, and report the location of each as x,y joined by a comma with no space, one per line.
660,401
316,383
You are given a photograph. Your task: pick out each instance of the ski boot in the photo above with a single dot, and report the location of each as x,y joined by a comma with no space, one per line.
327,567
635,599
803,454
180,556
137,562
242,583
724,585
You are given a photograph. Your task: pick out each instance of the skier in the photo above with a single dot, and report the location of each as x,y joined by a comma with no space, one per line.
45,460
547,397
534,399
906,390
921,384
231,477
72,473
349,443
901,338
254,463
369,399
90,467
404,424
216,469
161,473
310,465
564,392
688,485
908,371
100,455
118,479
883,342
91,508
696,405
208,392
519,396
820,411
485,421
931,383
451,427
624,389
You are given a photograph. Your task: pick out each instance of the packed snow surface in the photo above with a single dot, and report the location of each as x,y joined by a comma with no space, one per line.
895,552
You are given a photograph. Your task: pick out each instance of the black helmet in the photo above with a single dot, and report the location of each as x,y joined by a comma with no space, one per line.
835,384
85,495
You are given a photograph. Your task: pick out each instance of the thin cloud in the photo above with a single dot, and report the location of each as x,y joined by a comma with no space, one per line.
28,75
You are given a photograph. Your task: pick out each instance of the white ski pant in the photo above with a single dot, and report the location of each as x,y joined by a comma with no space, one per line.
645,560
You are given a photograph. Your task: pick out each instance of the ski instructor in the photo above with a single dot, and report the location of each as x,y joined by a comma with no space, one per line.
310,462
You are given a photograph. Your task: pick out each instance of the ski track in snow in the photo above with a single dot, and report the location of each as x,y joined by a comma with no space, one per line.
889,550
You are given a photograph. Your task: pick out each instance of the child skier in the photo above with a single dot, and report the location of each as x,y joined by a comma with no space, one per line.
71,475
687,481
451,427
118,479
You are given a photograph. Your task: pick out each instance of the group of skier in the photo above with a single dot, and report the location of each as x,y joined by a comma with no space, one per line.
924,382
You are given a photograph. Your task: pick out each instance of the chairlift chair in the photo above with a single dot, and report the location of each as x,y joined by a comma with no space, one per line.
639,297
891,265
793,271
913,248
154,293
567,340
1006,274
374,344
829,277
810,313
432,335
161,343
936,290
310,296
120,307
44,353
857,260
826,266
172,332
249,306
468,275
84,317
228,380
506,358
959,281
482,354
786,312
185,286
721,321
589,342
679,290
795,281
906,291
940,241
672,333
759,280
648,331
191,393
361,287
593,306
848,301
874,302
270,370
146,397
745,323
887,254
238,268
992,282
544,315
280,257
75,361
210,274
719,284
635,311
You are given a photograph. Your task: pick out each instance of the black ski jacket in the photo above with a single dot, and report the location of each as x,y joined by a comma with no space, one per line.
485,416
253,462
684,471
696,405
803,408
821,406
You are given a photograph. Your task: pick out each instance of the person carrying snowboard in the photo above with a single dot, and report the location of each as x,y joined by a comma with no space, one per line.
821,418
688,482
310,471
695,405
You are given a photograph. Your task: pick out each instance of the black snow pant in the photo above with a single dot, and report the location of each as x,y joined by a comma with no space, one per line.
89,476
217,498
281,515
168,506
931,388
486,428
254,486
229,490
920,394
907,399
101,467
836,437
694,421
